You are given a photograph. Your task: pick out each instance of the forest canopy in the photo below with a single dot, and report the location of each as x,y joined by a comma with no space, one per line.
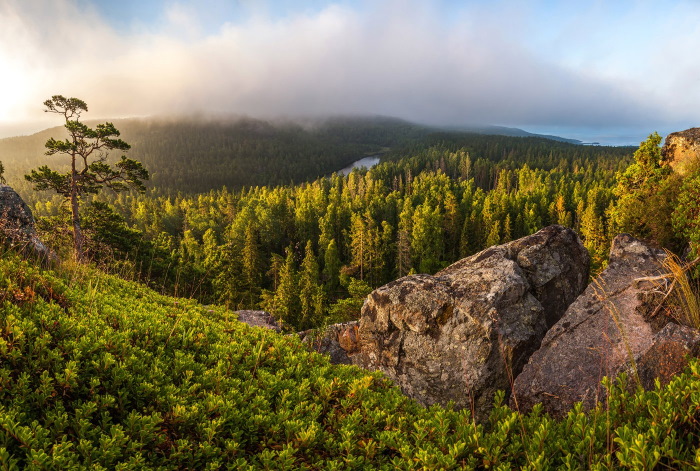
310,253
195,155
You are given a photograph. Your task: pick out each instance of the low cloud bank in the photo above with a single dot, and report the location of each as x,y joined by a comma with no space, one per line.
386,58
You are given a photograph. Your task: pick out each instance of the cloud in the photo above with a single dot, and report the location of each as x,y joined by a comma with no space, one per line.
393,58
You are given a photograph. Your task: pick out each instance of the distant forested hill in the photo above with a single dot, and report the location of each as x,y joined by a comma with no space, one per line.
194,155
539,151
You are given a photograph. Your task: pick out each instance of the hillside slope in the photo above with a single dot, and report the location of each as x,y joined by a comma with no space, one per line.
99,373
199,154
196,155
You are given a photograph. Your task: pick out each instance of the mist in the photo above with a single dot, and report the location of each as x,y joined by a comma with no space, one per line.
387,58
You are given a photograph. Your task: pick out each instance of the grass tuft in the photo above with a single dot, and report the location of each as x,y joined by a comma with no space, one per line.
684,291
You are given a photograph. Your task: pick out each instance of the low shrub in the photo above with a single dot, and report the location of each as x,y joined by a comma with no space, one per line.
100,373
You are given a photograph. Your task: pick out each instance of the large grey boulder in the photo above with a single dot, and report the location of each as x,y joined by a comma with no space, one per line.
609,329
467,331
17,226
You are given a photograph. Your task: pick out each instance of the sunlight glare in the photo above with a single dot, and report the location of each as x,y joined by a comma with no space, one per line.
13,88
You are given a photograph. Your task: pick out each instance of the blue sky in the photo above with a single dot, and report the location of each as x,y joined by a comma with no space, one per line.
581,68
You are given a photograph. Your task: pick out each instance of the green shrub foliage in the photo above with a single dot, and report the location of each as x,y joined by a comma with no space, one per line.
647,192
100,373
686,215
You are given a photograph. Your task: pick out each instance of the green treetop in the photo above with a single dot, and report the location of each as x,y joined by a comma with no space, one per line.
646,192
87,151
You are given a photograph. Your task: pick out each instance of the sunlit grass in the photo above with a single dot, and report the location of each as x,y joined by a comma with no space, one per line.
684,291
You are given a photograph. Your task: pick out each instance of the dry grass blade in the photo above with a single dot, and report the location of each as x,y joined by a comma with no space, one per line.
683,292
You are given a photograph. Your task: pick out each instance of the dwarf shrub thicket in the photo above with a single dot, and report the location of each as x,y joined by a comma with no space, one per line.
99,373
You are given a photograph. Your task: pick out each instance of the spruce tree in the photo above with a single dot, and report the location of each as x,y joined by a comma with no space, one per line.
331,268
403,239
286,299
250,258
310,292
646,195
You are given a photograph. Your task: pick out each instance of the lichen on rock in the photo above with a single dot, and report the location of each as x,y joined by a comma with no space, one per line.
467,331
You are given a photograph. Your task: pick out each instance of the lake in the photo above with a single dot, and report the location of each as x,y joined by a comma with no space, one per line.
367,162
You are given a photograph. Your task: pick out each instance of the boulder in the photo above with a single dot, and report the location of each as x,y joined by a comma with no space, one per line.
259,319
609,329
467,331
339,341
17,226
682,150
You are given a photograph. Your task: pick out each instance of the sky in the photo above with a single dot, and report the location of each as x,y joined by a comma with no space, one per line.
594,70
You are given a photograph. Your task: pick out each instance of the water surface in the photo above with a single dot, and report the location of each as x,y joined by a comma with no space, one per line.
366,162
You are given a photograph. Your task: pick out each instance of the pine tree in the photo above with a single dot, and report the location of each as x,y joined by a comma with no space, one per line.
494,237
286,299
403,239
427,242
251,265
331,268
310,291
86,149
358,245
190,249
593,233
564,217
646,194
386,253
227,281
276,264
452,225
507,231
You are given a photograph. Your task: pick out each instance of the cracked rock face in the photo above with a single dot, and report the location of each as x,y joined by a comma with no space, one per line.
599,335
465,332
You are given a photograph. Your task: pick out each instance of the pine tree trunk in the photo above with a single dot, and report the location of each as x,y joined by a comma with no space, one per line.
78,238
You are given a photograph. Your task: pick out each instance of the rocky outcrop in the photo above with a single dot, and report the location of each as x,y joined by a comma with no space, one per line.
339,341
607,330
259,319
465,332
682,150
17,226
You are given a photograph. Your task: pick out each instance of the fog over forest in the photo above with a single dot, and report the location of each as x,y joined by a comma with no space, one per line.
533,65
